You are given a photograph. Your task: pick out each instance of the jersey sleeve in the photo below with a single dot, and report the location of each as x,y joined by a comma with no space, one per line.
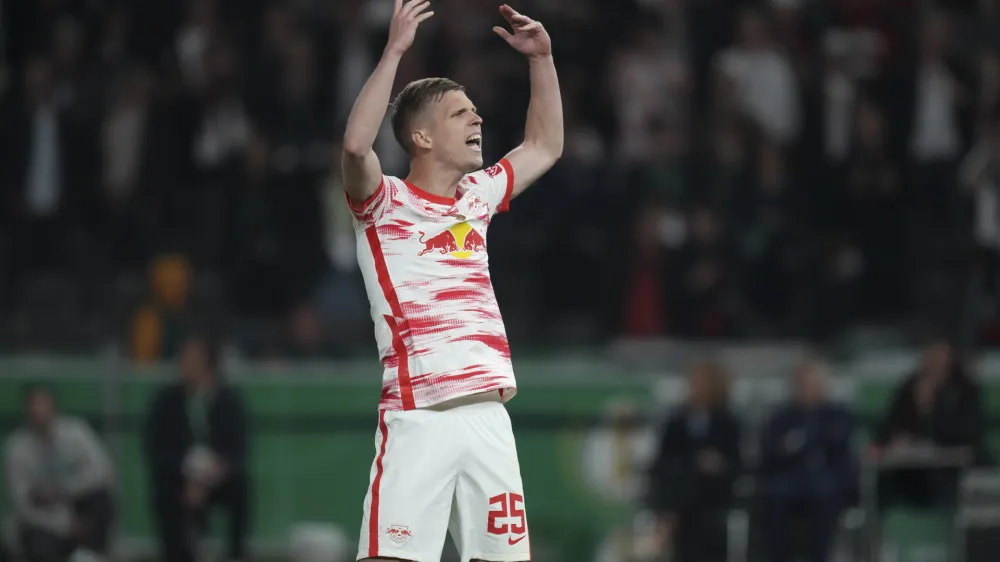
497,183
369,211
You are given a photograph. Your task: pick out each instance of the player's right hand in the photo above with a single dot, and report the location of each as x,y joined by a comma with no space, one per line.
406,17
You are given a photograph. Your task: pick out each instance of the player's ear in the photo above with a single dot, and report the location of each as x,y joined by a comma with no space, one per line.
421,139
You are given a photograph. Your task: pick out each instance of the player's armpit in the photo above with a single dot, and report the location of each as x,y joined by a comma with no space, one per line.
530,162
362,177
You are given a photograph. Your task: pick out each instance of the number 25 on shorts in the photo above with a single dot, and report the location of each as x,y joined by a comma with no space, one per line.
506,517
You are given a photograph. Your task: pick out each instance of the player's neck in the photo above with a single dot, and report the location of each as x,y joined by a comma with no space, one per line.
434,177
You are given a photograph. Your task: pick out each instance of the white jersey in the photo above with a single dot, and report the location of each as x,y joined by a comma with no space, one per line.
438,327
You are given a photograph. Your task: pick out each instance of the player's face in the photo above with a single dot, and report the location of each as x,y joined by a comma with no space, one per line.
457,132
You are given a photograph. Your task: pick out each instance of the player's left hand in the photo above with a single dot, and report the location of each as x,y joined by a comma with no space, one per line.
529,37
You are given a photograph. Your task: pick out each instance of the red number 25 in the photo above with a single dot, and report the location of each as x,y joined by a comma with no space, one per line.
508,506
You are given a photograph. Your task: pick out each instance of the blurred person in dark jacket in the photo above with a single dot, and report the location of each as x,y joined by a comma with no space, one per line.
257,280
868,205
704,278
697,462
196,444
59,480
808,467
939,405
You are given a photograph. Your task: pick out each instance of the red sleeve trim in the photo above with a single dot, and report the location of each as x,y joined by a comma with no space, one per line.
509,172
367,202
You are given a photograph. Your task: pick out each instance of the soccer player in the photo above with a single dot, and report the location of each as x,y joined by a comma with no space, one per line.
445,455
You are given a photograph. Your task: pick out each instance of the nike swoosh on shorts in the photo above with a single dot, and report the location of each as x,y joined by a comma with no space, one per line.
512,541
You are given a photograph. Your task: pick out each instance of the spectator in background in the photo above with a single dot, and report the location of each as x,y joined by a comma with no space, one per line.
306,336
932,103
694,470
36,197
135,165
77,88
704,278
938,405
60,480
872,208
727,170
832,305
257,281
613,452
980,177
646,295
762,80
808,469
650,85
158,326
193,38
988,91
767,220
839,93
115,40
298,131
195,441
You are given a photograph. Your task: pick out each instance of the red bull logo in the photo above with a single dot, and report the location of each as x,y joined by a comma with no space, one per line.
399,533
459,241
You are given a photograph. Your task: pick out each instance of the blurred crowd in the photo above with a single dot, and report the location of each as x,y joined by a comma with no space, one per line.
795,467
732,169
800,468
63,488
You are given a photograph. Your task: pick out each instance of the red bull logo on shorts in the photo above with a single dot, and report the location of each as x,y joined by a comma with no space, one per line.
459,241
399,533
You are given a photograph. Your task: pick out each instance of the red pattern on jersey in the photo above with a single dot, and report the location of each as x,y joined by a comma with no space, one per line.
398,345
424,258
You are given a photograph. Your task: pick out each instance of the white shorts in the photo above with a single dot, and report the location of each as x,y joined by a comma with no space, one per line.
449,468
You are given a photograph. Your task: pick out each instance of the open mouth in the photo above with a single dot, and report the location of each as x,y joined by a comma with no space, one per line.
475,142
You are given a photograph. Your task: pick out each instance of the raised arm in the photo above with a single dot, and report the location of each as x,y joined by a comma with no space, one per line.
362,172
543,133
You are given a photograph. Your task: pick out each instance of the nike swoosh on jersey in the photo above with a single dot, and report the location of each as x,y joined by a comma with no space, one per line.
512,541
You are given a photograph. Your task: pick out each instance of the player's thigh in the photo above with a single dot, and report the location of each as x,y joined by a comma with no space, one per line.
410,491
490,522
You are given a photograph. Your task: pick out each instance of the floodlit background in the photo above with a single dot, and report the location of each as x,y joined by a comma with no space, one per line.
743,183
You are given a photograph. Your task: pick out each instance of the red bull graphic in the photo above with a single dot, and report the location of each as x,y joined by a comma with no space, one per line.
459,241
443,243
474,242
399,533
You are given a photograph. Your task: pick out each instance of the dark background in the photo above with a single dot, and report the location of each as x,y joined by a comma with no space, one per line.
732,170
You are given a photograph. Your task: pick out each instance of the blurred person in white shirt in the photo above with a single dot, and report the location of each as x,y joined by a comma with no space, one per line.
762,80
650,82
59,478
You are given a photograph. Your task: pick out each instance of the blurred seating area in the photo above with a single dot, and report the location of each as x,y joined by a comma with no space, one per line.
732,169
